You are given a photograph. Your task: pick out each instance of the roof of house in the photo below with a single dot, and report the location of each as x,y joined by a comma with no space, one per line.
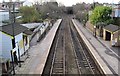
28,32
8,29
112,28
31,25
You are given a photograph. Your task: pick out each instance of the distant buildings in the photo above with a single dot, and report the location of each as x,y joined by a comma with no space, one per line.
27,3
6,8
116,10
4,15
8,5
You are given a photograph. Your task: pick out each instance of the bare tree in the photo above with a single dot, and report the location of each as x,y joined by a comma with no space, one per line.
49,9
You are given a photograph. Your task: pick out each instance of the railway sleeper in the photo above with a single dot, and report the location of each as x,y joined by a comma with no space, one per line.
59,62
84,59
56,71
59,58
58,68
85,71
86,65
58,65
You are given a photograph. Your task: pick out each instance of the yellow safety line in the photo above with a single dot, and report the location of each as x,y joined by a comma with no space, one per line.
7,34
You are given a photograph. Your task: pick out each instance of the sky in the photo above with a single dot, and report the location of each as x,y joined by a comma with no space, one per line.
71,2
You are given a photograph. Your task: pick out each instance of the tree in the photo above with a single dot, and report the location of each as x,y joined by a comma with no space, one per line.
49,10
101,14
82,16
81,7
81,12
29,14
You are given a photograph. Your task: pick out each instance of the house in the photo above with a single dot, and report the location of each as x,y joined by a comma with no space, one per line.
4,15
27,3
16,37
7,5
116,10
112,33
6,9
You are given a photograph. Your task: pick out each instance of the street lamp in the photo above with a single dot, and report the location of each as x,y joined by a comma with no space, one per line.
13,39
84,23
95,31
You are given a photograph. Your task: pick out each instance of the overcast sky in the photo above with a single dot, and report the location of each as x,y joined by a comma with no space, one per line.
71,2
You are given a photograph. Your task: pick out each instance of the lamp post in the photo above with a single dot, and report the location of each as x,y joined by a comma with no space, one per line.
95,31
84,23
112,9
13,39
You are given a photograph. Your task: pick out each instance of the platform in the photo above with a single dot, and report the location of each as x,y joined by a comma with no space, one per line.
108,63
39,53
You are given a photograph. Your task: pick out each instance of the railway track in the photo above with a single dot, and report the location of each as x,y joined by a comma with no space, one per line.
69,54
58,62
85,63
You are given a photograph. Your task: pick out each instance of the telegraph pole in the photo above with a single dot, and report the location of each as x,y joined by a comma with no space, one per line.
10,4
93,4
13,40
112,9
10,17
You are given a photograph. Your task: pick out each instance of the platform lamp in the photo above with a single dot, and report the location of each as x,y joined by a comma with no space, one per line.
13,39
95,30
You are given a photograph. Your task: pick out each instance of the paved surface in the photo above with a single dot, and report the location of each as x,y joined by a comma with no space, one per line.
34,40
107,53
38,54
115,50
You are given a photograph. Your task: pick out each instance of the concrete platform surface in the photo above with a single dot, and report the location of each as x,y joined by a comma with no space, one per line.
106,59
38,54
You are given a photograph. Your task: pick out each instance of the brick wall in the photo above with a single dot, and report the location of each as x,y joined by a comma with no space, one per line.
91,27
